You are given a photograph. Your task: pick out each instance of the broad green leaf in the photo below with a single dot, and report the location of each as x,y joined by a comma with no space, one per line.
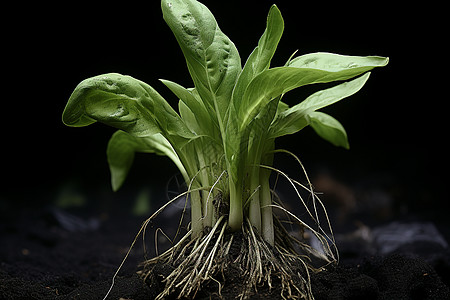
212,59
274,82
329,129
259,60
125,103
296,118
121,150
113,99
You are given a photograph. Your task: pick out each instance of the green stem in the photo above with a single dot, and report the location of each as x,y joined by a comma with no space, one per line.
255,207
206,203
265,194
266,209
196,215
195,198
236,216
207,209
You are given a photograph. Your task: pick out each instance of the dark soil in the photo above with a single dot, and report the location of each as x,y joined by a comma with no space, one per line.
49,254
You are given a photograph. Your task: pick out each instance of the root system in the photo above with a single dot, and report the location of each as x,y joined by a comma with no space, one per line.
245,256
243,259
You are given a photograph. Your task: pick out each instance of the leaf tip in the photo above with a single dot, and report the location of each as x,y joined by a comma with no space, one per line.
346,146
274,11
117,179
383,61
114,187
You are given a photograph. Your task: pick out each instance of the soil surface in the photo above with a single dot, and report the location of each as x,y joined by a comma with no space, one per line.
53,254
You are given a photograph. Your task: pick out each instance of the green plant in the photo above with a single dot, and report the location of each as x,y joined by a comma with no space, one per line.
222,139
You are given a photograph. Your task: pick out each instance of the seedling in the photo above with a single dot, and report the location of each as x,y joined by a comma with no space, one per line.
222,139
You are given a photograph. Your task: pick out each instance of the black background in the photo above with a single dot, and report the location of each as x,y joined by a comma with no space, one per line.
396,124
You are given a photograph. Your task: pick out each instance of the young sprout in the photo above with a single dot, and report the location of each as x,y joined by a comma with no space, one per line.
222,138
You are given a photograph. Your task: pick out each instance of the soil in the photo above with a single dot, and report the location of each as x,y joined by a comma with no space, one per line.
52,254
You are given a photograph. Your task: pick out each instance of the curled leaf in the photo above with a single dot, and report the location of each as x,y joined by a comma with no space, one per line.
113,99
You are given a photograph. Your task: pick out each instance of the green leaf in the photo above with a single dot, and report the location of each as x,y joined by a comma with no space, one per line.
113,99
259,141
125,103
235,147
204,120
122,147
259,60
329,129
274,82
212,59
189,118
332,95
336,62
296,118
